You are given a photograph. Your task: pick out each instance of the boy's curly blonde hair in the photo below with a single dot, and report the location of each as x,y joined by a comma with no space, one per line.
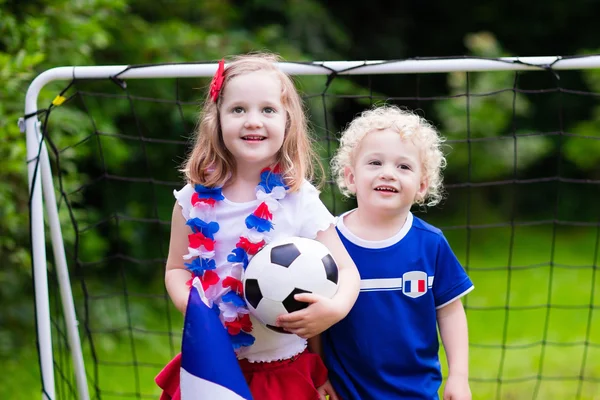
409,126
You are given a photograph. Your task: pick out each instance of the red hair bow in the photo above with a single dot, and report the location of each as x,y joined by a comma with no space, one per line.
217,81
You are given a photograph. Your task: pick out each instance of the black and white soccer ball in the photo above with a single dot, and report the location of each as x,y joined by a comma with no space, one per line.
284,268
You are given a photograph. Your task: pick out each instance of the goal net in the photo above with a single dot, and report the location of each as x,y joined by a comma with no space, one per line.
105,144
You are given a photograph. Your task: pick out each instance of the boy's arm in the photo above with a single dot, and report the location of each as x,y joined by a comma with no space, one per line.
452,322
315,345
326,391
324,312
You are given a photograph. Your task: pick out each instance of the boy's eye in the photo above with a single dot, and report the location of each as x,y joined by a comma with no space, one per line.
374,162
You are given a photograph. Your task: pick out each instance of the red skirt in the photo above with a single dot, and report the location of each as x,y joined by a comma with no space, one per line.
294,379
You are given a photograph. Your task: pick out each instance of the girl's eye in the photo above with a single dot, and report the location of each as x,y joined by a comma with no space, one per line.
237,110
404,166
374,162
269,110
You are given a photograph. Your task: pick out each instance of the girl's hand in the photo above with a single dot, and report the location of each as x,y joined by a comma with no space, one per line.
321,313
457,388
327,390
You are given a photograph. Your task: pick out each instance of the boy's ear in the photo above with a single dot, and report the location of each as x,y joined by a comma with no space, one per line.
423,186
349,178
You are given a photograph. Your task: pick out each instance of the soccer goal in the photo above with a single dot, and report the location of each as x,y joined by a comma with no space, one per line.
104,145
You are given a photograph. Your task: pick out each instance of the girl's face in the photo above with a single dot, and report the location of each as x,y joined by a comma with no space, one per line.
253,119
386,174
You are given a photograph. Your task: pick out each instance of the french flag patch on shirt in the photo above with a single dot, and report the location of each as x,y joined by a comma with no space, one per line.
415,283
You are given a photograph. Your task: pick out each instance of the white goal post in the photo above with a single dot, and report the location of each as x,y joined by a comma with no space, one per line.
42,190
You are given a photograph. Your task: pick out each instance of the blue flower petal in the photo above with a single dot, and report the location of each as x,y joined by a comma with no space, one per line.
199,265
234,298
209,193
241,339
208,229
260,224
238,255
195,267
270,180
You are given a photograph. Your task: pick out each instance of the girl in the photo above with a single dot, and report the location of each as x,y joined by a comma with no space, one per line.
250,163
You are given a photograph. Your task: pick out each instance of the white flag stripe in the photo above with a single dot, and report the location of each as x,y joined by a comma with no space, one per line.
430,281
203,389
381,290
382,284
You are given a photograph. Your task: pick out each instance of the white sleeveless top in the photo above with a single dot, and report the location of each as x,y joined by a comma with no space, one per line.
301,214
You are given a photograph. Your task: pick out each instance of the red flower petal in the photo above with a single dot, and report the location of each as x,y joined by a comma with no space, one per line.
208,279
233,327
243,323
198,239
197,199
189,283
234,284
262,211
249,247
246,323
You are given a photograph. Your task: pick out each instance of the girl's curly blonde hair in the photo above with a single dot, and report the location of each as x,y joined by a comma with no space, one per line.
409,126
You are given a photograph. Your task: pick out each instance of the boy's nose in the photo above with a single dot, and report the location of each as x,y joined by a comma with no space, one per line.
387,173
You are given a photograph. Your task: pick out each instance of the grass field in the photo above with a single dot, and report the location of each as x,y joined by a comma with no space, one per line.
533,327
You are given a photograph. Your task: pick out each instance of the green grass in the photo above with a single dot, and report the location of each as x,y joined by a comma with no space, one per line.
527,321
533,319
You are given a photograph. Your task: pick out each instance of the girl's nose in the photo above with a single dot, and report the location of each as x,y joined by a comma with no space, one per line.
253,121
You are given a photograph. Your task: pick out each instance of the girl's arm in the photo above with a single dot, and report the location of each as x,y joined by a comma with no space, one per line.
324,312
176,276
452,322
349,279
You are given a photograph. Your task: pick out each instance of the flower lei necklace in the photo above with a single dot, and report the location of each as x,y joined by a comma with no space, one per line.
227,293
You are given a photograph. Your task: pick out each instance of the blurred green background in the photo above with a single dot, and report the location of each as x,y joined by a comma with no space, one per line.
530,244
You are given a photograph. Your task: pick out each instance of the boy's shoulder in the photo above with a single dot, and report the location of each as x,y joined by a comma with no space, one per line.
425,227
414,230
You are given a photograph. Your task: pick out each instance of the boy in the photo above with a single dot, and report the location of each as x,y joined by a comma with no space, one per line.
411,282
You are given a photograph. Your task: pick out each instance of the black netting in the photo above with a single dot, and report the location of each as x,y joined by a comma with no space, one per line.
520,213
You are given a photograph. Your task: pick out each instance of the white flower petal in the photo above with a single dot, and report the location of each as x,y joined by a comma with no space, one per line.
197,284
254,236
203,211
199,252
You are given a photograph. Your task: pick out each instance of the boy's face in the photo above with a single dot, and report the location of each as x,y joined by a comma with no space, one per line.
386,175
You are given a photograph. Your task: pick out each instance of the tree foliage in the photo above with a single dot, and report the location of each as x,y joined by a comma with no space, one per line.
38,35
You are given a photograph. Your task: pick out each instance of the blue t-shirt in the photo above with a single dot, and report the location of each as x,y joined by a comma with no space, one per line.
387,346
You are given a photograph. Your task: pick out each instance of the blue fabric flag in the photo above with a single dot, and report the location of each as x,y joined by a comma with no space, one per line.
209,367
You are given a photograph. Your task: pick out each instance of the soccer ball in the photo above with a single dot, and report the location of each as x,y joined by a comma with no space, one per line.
282,269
